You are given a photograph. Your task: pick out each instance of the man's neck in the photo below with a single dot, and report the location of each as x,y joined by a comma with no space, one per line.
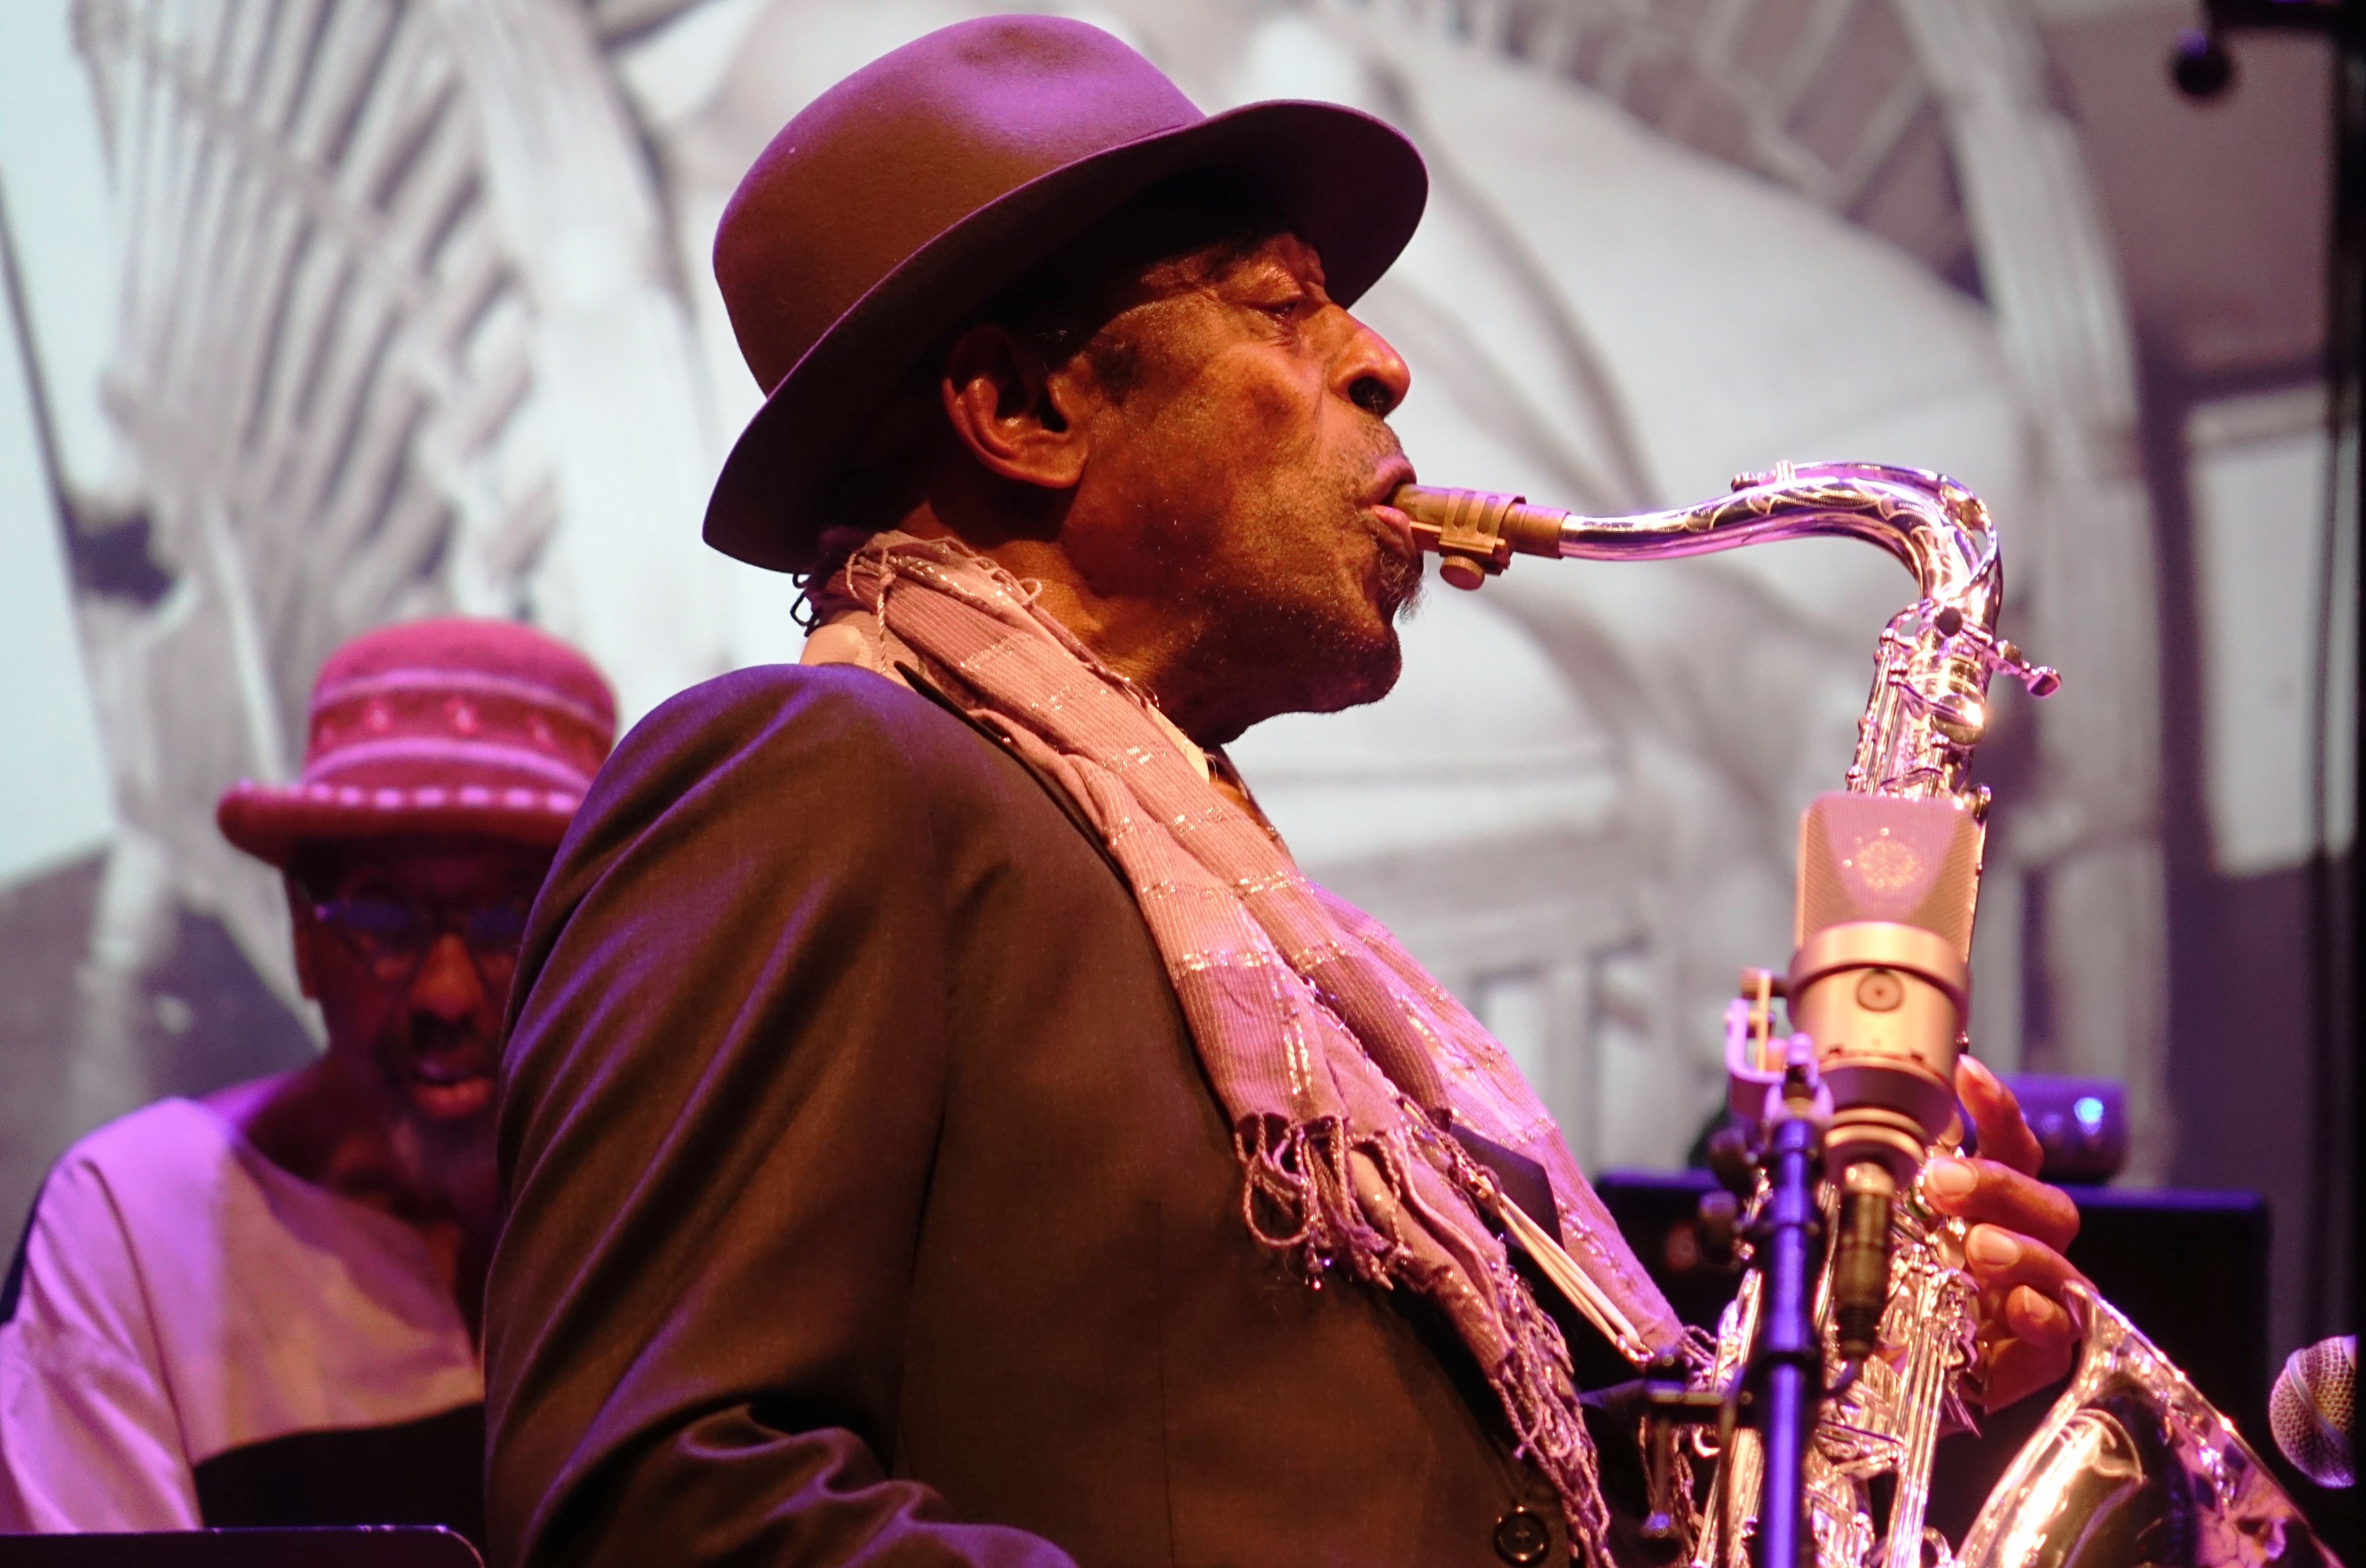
1089,618
314,1124
1156,645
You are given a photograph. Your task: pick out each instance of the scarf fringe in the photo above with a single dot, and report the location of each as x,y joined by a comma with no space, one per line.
1296,1174
1300,1201
1540,1396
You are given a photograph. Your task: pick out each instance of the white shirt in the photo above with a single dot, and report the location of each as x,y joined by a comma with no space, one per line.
178,1298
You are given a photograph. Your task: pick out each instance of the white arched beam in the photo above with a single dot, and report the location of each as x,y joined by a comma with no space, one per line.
2089,603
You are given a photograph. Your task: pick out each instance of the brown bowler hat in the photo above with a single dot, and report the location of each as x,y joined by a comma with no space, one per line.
936,176
452,726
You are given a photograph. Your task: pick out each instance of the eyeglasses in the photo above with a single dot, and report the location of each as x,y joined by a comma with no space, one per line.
392,935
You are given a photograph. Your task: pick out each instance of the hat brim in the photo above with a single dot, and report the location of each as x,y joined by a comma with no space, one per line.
271,822
1351,186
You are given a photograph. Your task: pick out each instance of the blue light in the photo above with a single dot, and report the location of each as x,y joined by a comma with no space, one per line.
2090,1112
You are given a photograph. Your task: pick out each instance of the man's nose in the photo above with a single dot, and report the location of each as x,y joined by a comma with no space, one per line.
1370,373
447,984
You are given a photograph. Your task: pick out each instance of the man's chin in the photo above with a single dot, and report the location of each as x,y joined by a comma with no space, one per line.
1366,676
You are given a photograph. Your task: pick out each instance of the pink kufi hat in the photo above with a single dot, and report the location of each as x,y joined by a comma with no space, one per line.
446,726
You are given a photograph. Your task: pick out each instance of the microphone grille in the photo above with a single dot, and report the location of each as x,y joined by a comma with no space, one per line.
1878,857
2310,1407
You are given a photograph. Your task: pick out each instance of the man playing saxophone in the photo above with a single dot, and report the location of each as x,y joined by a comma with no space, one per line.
940,1124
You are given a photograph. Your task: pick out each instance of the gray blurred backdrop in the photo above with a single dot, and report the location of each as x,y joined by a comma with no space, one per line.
330,313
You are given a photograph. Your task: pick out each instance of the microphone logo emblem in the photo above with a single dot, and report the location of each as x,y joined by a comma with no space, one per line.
1884,865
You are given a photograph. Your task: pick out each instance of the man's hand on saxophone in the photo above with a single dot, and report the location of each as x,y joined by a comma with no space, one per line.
2019,1226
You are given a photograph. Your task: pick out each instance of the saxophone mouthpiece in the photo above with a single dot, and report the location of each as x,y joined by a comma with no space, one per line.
1475,532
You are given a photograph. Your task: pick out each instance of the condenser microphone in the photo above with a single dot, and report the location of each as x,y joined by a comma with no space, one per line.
2309,1409
1881,975
1881,981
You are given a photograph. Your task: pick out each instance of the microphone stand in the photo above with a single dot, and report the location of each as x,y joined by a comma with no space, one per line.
1788,1365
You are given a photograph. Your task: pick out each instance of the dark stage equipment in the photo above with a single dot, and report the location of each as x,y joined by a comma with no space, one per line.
2081,1124
377,1546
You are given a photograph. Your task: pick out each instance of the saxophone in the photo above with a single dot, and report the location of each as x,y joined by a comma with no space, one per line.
2131,1466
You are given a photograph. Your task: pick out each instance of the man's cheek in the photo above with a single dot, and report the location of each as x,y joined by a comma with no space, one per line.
1263,407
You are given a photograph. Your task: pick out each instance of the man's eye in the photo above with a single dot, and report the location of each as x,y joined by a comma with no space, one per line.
382,919
501,926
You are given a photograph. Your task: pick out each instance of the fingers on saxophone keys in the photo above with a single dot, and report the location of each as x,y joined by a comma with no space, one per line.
2004,1132
1989,1194
2016,1370
2036,1321
2021,1284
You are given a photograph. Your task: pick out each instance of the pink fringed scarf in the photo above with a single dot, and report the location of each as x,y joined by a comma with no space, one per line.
1340,1062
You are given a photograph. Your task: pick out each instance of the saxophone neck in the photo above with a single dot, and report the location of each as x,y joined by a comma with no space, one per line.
1929,707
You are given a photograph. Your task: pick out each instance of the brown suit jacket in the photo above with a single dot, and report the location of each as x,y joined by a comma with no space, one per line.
867,1203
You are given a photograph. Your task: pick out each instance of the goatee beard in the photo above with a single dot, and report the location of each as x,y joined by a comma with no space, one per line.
451,1161
1400,586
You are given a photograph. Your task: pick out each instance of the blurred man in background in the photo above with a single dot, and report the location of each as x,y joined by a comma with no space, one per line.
262,1307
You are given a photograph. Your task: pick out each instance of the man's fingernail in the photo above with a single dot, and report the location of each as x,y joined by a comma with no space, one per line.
1950,1177
1993,1247
2042,1314
1979,1069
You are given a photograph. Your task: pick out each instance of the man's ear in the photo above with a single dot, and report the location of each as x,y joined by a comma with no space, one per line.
1015,416
307,935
